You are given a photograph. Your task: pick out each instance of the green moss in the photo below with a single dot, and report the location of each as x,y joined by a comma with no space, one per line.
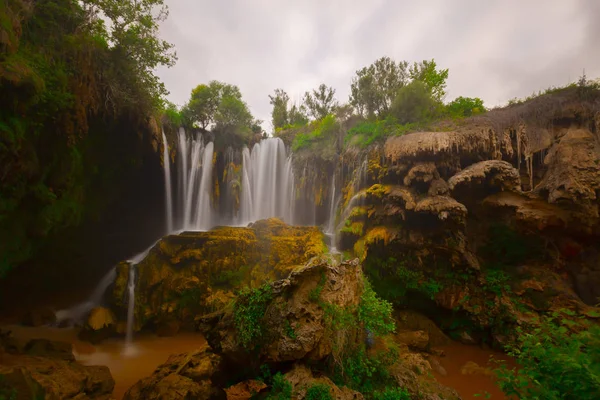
354,228
248,312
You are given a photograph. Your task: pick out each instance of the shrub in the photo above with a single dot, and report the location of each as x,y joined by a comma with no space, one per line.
318,391
554,362
320,130
249,310
374,313
366,373
391,394
281,389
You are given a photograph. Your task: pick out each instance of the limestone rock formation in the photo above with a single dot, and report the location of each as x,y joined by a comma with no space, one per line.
485,176
182,376
295,320
303,378
196,272
48,370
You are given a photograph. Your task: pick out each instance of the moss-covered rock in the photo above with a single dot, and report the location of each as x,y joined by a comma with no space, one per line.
197,272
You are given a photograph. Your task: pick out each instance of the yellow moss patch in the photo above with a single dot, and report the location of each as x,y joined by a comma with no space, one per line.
380,233
379,191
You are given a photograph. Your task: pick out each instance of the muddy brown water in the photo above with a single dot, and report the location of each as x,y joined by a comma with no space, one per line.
149,351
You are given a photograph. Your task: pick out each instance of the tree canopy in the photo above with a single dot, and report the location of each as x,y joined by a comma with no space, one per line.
219,106
320,102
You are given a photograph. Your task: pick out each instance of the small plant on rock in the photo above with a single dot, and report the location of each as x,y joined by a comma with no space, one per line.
281,389
318,391
249,309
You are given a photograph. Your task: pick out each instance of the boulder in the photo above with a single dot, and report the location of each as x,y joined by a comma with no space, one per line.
294,322
408,320
416,340
302,378
53,378
183,376
245,390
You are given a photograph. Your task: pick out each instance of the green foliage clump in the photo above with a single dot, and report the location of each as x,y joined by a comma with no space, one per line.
465,107
374,313
414,103
249,309
366,373
320,102
391,394
68,71
496,281
557,360
318,391
289,330
281,388
392,279
321,131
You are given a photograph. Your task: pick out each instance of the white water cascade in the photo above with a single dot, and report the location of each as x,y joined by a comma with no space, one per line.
168,194
267,182
77,313
331,228
130,308
195,183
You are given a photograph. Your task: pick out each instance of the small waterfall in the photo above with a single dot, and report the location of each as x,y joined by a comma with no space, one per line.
130,309
204,211
268,182
168,194
331,227
79,312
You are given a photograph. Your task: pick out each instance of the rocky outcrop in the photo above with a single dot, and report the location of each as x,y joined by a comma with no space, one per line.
573,174
302,378
295,321
183,376
47,369
197,272
485,177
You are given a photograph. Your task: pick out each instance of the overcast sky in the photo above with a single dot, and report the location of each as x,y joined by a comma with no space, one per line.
495,50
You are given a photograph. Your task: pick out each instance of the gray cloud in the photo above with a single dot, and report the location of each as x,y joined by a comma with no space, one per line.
495,50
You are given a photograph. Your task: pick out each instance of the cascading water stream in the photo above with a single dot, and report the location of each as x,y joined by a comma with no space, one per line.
331,227
77,313
168,194
267,182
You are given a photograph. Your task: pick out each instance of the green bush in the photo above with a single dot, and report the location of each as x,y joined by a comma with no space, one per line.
366,373
249,309
391,394
554,362
320,131
374,313
392,279
318,391
281,389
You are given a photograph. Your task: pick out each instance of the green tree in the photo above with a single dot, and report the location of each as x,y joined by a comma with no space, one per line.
414,103
321,102
133,36
297,115
374,87
219,104
279,115
434,79
465,106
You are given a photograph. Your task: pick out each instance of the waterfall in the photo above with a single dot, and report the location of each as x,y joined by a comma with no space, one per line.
168,194
267,182
331,227
130,308
77,313
204,212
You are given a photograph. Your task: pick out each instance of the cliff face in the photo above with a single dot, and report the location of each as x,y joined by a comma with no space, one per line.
465,221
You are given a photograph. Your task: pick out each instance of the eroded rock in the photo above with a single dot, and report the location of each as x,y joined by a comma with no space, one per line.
183,376
302,378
